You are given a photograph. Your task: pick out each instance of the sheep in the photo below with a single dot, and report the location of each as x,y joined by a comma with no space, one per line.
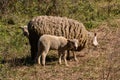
59,26
52,42
26,33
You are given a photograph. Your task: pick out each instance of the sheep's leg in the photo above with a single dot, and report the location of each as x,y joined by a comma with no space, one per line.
68,55
39,53
38,57
34,48
44,54
65,55
60,56
75,58
39,62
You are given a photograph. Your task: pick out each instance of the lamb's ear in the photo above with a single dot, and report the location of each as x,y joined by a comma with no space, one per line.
68,40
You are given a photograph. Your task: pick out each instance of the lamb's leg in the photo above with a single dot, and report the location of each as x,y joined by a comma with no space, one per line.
39,62
68,55
60,56
44,54
39,53
38,57
65,55
75,58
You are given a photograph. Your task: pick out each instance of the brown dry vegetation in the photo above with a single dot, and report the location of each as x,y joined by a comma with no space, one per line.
100,63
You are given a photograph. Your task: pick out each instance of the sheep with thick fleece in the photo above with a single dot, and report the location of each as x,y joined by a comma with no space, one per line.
51,42
59,26
26,33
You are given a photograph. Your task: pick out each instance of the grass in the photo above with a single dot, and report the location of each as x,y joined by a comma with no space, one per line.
97,64
100,63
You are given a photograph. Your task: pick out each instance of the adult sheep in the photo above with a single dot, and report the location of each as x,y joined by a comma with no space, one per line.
51,42
59,26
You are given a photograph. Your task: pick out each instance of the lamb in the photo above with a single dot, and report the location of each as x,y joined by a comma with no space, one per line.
59,26
51,42
26,33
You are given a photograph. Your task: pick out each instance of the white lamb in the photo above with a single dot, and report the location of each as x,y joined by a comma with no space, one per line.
50,42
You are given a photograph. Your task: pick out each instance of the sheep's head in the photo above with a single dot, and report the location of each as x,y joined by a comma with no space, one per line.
25,31
93,38
73,44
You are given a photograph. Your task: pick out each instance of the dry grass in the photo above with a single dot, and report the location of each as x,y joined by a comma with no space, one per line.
100,63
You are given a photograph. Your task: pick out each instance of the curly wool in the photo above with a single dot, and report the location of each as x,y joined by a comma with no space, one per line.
59,26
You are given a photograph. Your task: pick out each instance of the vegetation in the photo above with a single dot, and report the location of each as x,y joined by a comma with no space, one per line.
15,60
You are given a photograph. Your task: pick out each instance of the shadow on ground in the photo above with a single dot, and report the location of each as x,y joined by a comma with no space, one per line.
26,61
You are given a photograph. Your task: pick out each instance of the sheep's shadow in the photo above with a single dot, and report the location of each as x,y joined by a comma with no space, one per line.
26,61
14,62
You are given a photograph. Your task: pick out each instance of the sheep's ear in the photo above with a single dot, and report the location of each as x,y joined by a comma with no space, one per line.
95,34
21,27
90,34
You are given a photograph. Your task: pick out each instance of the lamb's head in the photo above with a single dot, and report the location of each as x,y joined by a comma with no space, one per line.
73,44
93,39
25,31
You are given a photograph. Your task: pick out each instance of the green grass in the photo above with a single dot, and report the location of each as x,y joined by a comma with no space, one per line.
15,62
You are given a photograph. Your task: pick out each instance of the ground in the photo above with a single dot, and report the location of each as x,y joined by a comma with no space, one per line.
101,63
